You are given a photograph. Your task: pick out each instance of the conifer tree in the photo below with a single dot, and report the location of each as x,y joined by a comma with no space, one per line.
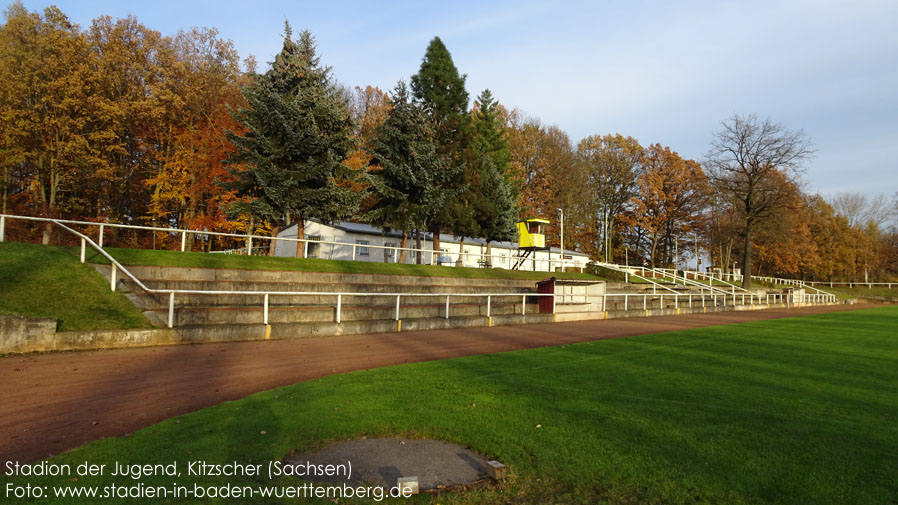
440,90
298,134
410,171
495,191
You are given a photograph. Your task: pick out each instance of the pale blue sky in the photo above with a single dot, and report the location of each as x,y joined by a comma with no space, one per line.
664,72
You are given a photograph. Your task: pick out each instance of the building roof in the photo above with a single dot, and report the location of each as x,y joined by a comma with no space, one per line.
367,229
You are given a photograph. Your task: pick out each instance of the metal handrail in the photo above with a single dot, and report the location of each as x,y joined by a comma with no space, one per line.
851,284
712,278
629,271
493,258
115,265
691,282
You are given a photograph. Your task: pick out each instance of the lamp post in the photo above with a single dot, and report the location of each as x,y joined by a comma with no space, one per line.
561,213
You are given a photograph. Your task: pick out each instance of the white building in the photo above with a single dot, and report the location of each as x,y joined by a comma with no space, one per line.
363,242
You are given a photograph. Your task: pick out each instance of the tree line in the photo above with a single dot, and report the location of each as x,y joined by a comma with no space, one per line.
117,122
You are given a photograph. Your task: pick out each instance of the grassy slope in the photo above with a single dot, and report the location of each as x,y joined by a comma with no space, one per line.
47,281
845,293
205,260
876,291
792,411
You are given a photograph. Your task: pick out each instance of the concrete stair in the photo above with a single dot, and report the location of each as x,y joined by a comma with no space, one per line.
295,316
239,317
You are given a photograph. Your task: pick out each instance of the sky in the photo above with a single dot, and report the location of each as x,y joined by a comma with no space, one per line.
662,72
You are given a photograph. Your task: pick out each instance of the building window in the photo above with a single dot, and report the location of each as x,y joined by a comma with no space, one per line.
314,249
389,253
361,250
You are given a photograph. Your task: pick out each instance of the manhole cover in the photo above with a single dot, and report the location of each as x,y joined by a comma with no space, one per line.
381,461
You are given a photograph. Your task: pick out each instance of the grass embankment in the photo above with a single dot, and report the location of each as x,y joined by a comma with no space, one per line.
874,292
844,292
49,281
789,411
206,260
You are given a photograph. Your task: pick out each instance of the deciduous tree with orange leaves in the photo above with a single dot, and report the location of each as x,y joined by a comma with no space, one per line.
670,202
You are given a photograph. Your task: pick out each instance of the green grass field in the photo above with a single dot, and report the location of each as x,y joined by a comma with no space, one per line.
792,411
206,260
48,281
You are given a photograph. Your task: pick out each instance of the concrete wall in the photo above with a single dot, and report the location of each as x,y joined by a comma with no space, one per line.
27,334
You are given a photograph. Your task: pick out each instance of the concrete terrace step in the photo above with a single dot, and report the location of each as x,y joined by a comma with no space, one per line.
324,314
282,331
249,285
161,301
149,273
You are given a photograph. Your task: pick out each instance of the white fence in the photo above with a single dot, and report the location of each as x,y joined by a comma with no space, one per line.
687,299
326,249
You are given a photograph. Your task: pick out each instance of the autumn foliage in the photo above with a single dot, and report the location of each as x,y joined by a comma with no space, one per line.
116,122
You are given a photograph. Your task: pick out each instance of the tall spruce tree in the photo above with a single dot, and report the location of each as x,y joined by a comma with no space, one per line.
440,90
494,190
411,171
289,162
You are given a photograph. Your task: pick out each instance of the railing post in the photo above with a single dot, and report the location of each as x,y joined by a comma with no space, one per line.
397,307
488,305
100,242
305,249
112,278
662,302
171,309
249,245
555,301
265,310
183,241
83,249
2,228
524,305
645,302
339,303
353,252
626,298
447,306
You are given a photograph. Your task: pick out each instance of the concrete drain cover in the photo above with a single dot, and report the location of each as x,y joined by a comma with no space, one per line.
382,461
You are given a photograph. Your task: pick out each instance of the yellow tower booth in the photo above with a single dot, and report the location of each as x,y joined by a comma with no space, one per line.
532,234
531,237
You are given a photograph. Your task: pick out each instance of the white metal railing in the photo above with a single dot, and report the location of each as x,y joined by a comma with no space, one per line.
116,266
648,274
852,284
690,298
351,251
673,274
630,271
712,277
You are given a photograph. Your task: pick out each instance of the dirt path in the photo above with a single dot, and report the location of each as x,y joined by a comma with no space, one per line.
53,402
